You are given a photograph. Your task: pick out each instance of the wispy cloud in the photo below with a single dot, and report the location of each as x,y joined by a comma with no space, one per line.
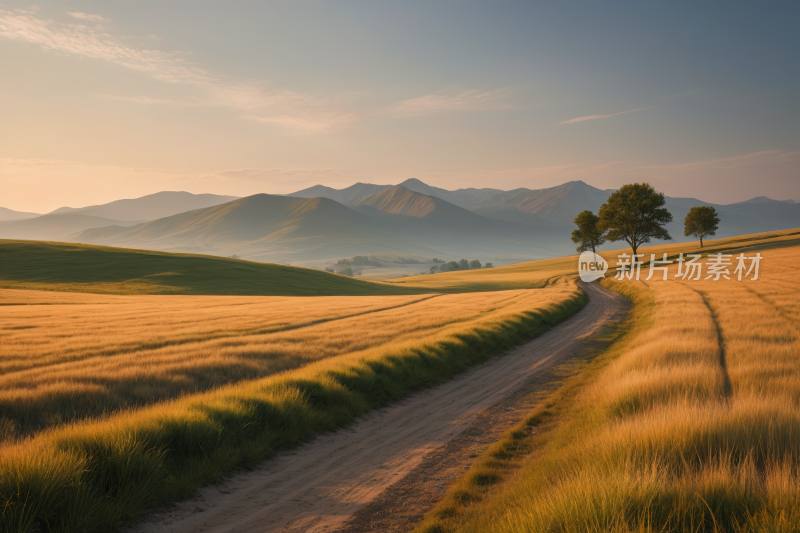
87,16
308,112
451,100
595,117
255,100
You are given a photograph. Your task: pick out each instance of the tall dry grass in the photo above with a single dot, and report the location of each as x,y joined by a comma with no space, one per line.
98,355
190,386
692,422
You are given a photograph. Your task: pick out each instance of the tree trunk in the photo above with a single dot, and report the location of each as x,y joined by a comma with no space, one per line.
701,242
594,254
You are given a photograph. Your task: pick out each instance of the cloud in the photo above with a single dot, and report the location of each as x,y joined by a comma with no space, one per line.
307,112
255,100
86,16
595,117
450,100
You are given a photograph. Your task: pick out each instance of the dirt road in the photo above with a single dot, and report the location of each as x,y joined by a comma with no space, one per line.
319,485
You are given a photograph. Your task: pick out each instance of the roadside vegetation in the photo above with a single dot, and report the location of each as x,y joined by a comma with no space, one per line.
688,421
112,404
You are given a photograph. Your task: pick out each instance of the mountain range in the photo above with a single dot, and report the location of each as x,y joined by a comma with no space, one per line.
396,221
410,219
10,214
150,207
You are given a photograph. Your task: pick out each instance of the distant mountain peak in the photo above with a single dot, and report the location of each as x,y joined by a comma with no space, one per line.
414,181
764,200
400,200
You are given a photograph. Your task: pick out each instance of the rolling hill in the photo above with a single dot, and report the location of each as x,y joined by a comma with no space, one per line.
281,228
150,207
54,227
100,269
262,226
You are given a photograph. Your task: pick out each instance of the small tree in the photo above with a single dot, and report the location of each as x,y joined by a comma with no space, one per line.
463,264
701,222
635,214
488,265
434,269
474,264
588,235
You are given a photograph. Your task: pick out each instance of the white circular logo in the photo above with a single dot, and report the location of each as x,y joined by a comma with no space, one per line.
591,266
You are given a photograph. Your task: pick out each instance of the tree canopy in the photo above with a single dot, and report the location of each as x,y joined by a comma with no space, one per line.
588,235
701,222
635,214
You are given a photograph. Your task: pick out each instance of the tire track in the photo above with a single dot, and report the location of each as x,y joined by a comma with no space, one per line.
727,387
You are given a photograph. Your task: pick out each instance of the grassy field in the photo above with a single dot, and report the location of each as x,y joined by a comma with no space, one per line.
55,266
112,403
688,421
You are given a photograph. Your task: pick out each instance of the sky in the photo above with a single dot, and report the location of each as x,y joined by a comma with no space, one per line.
102,100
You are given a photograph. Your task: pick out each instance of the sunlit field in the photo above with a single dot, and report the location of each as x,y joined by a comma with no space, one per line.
689,422
113,403
90,355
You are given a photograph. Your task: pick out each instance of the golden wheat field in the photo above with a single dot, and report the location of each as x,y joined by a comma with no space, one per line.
691,423
68,356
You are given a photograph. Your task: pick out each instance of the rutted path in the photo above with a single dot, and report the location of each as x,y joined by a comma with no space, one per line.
318,486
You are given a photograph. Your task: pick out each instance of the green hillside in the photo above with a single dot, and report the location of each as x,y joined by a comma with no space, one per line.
41,265
262,226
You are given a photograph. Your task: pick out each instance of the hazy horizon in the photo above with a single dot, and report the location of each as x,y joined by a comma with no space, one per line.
338,188
109,101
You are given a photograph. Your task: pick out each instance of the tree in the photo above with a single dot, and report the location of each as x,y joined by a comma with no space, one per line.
463,265
434,269
448,267
701,222
588,235
488,265
634,214
474,264
437,260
